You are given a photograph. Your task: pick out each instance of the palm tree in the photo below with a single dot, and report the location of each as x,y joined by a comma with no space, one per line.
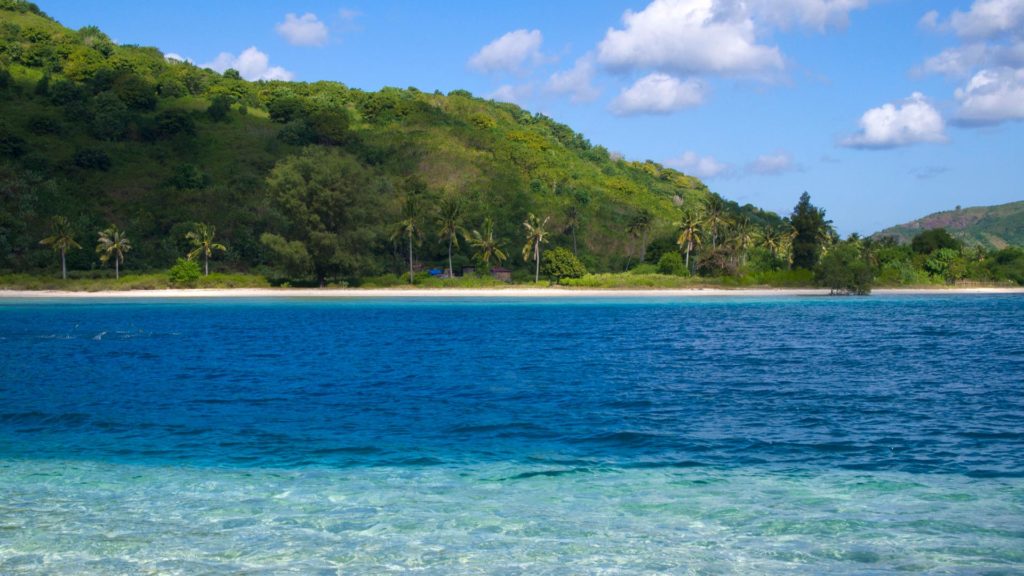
449,212
744,237
486,246
536,234
640,225
715,219
572,222
113,243
408,228
772,239
202,239
61,239
689,233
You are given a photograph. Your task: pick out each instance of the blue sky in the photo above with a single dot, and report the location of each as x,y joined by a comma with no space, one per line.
884,110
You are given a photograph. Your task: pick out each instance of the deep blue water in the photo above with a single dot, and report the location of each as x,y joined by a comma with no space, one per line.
698,435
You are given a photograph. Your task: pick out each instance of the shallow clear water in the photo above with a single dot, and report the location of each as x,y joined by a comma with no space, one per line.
795,435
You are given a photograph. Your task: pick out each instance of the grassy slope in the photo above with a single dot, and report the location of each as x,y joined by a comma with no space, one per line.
990,226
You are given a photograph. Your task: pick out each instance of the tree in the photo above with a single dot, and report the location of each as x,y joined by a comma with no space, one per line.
844,271
201,238
536,234
486,245
219,108
810,226
638,227
929,241
561,263
330,206
113,243
408,228
715,219
744,236
689,233
573,217
449,214
61,239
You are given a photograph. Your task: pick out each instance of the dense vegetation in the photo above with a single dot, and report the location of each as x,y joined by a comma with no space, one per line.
993,227
159,165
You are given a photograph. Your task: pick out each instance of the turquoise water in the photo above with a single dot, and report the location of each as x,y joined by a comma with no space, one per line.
788,435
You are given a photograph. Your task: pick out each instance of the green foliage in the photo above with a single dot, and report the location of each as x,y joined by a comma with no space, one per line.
184,272
671,264
561,263
219,108
92,160
330,207
810,225
931,240
844,271
946,263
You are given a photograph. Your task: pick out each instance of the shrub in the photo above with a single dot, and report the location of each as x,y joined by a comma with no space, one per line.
41,125
671,264
219,108
92,160
184,272
562,263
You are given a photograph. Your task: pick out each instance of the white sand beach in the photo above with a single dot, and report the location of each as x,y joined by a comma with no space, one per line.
511,292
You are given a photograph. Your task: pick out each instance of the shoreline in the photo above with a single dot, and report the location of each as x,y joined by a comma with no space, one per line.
446,293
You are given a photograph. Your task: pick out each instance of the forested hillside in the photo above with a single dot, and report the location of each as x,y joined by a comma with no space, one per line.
314,180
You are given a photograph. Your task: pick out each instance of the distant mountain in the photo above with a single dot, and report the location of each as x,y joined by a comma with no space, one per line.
990,226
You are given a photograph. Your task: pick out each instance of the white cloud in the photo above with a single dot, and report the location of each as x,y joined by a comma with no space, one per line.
700,166
911,121
658,94
251,64
510,53
930,20
688,36
511,93
771,164
988,18
305,30
992,96
176,57
958,61
577,81
816,14
348,15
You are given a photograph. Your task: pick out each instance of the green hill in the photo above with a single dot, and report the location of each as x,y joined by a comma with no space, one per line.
105,133
989,226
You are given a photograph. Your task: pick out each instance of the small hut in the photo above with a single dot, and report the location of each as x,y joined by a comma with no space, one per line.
503,274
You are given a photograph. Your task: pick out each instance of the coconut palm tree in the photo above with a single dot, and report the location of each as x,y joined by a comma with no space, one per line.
61,239
486,246
113,243
536,234
771,239
689,233
715,219
572,222
744,236
410,230
639,226
449,213
201,238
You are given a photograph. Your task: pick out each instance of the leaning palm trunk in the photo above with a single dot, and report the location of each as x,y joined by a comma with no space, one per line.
689,246
117,268
63,266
